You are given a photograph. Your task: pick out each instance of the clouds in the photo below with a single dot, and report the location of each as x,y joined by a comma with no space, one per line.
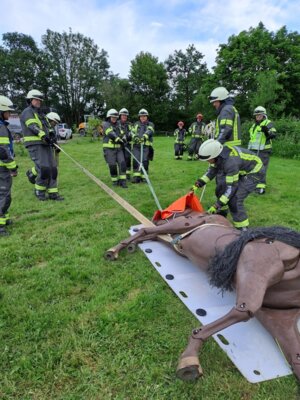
124,28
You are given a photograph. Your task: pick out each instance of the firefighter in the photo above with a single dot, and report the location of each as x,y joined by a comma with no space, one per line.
242,170
126,127
227,130
113,142
179,134
37,139
8,166
142,137
53,119
196,130
228,125
261,134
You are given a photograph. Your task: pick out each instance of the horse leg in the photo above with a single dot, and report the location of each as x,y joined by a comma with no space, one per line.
284,326
253,276
151,233
189,366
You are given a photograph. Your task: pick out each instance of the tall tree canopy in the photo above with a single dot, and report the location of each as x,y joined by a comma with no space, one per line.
77,67
149,84
186,72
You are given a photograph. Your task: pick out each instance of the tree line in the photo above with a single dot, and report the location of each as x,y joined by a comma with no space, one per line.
259,67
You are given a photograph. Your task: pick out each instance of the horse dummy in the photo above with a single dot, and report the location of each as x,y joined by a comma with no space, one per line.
261,264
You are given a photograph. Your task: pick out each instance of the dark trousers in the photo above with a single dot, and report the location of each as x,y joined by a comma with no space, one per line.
194,146
264,155
178,147
45,166
116,163
5,193
137,152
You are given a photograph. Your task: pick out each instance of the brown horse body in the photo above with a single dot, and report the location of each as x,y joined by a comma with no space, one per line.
266,279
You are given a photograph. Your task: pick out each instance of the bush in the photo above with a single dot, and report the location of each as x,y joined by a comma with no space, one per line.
287,142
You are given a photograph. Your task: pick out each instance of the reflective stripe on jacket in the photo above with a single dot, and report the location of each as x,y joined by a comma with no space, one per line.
111,134
6,155
228,125
196,129
34,126
140,129
179,135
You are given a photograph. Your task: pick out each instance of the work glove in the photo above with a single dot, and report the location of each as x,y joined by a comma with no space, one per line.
145,137
199,183
212,210
14,171
136,140
264,129
118,140
46,139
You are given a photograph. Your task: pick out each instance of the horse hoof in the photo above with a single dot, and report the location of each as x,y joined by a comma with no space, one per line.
131,248
110,255
189,369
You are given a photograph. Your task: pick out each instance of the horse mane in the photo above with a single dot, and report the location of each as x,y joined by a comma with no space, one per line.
222,266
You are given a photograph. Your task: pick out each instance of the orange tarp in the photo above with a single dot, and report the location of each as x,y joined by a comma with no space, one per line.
179,205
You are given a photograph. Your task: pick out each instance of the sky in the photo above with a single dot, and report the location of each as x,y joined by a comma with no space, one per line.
125,28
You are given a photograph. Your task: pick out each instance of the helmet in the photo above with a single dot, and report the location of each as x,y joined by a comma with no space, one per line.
180,123
209,149
199,116
260,110
6,104
112,113
35,94
53,116
124,111
143,111
219,94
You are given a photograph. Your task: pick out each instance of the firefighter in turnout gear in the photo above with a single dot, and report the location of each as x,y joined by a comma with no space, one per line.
242,170
261,134
53,119
8,166
228,124
126,127
179,134
142,137
38,141
113,142
196,130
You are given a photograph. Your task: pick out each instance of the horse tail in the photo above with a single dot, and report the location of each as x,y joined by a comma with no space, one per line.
222,266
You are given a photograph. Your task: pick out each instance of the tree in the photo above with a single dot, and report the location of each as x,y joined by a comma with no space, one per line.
22,67
149,85
77,68
186,72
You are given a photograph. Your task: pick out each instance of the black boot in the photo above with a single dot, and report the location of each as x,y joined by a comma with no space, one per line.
30,176
56,197
136,179
3,231
40,194
122,183
116,183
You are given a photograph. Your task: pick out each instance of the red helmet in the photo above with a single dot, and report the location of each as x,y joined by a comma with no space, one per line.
180,123
199,116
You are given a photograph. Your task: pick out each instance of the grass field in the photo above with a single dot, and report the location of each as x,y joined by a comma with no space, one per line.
75,326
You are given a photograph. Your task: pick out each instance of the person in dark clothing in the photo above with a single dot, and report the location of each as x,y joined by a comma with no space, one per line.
8,166
37,139
113,143
196,130
179,134
126,127
142,137
261,134
242,170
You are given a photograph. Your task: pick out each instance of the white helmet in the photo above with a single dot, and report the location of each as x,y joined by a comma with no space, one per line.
124,111
112,113
209,149
35,94
219,94
143,111
260,110
6,104
53,116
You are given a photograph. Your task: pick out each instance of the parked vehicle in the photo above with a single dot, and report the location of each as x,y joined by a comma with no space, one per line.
64,132
15,126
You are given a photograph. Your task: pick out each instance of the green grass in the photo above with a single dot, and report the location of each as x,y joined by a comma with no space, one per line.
75,326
